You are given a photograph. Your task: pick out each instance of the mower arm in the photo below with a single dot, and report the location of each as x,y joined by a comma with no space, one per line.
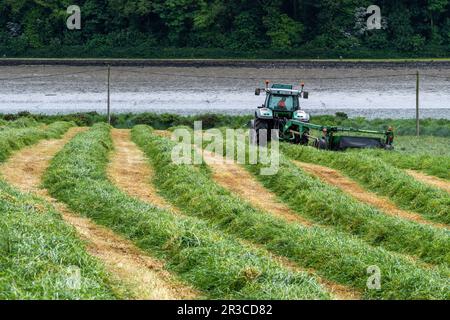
330,129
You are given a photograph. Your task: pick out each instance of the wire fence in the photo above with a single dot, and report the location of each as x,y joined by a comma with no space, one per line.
182,75
42,76
149,74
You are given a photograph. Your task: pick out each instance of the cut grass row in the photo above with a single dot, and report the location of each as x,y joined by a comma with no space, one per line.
40,256
338,257
327,205
22,122
14,139
428,154
381,177
423,145
438,166
218,265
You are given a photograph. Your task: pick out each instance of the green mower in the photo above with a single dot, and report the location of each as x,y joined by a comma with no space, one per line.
281,112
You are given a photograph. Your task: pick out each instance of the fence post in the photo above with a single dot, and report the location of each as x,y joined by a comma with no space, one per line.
109,95
417,103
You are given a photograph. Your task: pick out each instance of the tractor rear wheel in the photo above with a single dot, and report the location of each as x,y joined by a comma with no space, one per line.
261,131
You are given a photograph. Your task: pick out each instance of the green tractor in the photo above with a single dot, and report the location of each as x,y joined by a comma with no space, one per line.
281,105
281,112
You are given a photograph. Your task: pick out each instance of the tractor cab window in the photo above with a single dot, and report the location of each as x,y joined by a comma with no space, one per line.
282,102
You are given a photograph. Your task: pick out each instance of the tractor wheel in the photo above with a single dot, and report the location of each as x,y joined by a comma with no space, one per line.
321,144
261,131
302,140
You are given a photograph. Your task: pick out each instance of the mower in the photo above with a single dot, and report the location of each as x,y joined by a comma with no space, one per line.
281,112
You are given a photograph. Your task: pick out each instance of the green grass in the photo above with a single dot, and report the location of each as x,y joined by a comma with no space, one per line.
14,139
328,205
218,265
402,127
21,122
428,154
381,177
39,254
423,145
334,255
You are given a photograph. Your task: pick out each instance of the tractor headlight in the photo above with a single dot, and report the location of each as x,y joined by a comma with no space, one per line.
301,115
266,112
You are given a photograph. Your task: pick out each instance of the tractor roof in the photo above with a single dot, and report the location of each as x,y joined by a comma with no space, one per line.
284,92
282,86
283,89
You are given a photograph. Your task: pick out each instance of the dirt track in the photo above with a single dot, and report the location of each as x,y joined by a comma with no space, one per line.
129,170
236,179
352,188
142,275
433,181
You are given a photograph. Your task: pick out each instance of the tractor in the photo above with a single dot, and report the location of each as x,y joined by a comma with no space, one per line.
281,112
282,104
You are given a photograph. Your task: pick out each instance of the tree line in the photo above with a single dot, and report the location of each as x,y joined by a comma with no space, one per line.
216,28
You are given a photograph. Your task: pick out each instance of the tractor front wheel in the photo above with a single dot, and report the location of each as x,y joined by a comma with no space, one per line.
261,131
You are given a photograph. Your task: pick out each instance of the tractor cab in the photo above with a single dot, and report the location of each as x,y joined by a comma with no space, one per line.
282,102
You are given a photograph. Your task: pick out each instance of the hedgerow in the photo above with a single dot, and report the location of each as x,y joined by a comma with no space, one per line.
22,122
39,254
218,265
334,255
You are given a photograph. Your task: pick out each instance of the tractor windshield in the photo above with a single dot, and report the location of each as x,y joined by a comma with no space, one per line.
283,102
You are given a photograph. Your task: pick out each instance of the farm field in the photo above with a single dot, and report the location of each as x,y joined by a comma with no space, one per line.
104,213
